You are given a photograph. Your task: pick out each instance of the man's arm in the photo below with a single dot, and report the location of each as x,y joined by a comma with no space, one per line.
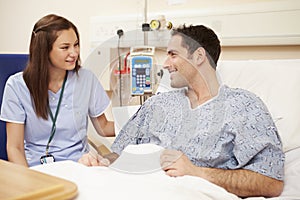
242,182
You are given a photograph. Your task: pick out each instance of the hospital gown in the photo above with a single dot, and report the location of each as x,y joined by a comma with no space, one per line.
233,130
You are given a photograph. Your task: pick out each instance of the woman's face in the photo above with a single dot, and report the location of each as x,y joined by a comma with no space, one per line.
65,50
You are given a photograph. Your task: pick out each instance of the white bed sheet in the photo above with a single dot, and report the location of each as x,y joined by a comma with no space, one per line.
106,183
292,175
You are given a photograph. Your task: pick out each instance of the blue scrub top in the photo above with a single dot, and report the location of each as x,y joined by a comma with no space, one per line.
83,96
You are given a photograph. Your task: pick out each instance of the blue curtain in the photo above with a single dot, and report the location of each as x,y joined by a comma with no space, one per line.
9,64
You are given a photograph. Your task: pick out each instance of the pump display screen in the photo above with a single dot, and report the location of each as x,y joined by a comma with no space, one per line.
141,67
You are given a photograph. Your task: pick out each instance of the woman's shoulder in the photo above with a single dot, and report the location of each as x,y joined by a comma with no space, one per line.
16,83
85,71
16,79
85,74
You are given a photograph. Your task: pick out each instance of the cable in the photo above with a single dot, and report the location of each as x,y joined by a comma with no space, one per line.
120,33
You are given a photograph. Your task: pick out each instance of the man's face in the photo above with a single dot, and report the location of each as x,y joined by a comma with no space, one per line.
179,63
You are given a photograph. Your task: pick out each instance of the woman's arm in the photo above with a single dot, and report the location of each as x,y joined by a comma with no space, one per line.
15,143
103,126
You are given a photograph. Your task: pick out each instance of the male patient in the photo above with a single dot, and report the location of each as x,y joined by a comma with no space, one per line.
212,131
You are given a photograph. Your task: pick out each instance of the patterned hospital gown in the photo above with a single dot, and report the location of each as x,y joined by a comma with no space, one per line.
232,130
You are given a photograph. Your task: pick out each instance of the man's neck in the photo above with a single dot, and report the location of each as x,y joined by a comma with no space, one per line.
201,90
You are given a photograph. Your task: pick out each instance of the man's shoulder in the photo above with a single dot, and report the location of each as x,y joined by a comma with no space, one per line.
166,98
240,96
177,92
239,93
169,95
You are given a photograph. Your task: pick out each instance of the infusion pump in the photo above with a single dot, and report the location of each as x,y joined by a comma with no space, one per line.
142,70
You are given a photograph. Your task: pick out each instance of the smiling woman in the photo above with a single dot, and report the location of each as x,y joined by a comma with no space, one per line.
46,106
63,56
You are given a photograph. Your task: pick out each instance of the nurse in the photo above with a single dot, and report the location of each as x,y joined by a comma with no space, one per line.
46,107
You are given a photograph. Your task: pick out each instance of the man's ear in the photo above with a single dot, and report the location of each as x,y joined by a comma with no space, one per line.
199,55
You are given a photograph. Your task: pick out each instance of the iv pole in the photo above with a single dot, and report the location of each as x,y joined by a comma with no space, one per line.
145,22
145,29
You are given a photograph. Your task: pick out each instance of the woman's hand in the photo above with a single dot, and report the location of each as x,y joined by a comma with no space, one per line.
91,159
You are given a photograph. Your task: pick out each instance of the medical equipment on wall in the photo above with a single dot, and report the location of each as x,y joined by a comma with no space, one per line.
136,75
142,70
160,23
122,73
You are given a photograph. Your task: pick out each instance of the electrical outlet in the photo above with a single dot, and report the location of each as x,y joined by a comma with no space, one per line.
104,28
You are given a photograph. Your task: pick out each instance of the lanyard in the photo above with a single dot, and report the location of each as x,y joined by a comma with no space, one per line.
53,129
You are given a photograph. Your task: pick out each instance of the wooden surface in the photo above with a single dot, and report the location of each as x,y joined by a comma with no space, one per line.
18,182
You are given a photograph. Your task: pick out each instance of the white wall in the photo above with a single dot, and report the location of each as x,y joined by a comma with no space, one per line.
279,24
280,18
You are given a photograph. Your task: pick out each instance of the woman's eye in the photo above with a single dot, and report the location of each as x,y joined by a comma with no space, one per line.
172,54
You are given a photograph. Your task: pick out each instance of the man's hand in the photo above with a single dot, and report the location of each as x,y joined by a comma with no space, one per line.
91,159
175,163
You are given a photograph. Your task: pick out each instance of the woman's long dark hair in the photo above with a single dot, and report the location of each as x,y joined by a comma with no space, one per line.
36,73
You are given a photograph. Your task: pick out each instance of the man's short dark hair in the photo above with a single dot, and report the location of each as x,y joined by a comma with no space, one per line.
200,36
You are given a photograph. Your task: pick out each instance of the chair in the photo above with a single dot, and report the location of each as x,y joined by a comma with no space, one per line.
9,64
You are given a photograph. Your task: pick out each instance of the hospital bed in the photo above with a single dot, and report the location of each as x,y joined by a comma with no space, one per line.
275,81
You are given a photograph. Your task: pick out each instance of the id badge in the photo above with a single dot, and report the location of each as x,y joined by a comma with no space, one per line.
47,159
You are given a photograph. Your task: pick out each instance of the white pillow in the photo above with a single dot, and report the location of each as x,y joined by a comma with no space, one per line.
277,83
